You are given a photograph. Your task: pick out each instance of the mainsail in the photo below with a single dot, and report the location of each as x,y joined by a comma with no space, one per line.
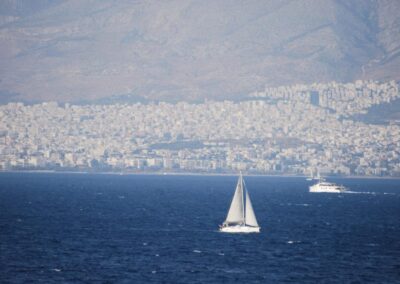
236,211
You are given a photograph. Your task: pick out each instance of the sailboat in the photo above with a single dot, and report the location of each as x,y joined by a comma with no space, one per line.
311,176
241,217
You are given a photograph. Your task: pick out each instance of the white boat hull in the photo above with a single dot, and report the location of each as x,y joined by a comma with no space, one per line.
325,190
239,229
332,189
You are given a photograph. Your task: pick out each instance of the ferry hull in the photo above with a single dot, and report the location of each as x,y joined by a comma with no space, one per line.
316,189
239,229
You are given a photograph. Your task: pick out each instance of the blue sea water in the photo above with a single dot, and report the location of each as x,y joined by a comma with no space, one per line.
93,228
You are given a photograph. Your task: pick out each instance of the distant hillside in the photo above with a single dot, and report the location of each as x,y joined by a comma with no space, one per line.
88,50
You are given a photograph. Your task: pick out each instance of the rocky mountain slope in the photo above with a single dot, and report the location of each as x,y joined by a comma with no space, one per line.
86,50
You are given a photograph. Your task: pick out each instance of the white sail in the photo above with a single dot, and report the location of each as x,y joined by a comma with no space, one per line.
250,216
236,211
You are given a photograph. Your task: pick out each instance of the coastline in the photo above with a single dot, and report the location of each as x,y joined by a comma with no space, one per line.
122,173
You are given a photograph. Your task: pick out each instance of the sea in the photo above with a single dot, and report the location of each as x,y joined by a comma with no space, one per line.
108,228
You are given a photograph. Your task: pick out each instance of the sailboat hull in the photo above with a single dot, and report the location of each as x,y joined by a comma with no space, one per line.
239,229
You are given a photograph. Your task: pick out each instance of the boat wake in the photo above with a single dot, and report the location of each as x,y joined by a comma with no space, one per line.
368,192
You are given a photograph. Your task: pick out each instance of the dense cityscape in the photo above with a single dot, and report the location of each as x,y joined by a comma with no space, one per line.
295,130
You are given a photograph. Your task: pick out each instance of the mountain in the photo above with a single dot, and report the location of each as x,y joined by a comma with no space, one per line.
189,50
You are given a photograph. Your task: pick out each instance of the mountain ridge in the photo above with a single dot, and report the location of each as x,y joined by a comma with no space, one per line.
189,50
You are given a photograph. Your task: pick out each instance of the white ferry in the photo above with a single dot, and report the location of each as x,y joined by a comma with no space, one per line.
323,186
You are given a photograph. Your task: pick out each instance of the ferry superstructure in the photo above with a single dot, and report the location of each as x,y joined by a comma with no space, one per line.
324,186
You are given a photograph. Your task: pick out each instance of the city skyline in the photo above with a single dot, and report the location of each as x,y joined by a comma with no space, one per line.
287,130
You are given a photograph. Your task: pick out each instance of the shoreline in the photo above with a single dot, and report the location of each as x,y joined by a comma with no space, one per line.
187,174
